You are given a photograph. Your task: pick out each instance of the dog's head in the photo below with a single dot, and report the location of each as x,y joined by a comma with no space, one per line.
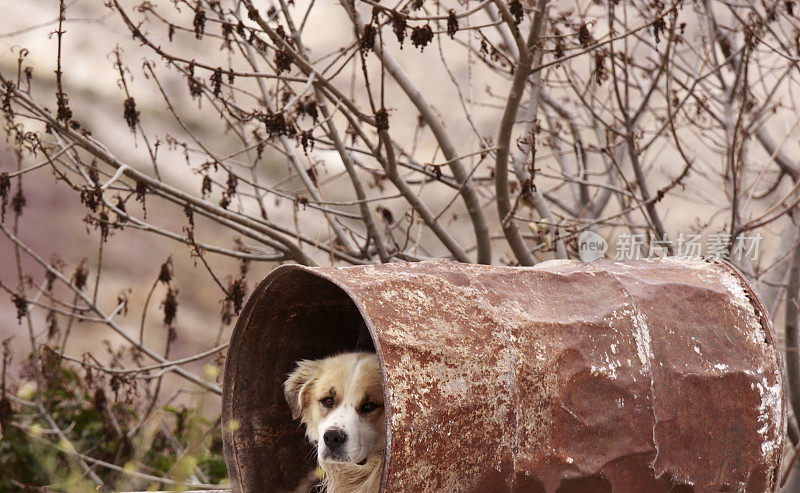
340,401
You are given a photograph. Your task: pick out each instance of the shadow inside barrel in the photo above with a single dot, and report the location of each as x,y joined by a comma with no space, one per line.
295,316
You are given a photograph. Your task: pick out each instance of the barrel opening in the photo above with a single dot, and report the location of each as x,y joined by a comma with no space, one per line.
295,315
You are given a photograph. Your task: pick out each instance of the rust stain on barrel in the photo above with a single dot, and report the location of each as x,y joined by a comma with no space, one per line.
612,376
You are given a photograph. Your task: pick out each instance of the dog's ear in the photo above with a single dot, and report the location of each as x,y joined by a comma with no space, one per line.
298,382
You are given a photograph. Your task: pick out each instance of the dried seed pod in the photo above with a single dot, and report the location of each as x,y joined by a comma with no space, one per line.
170,307
21,304
80,275
452,24
382,119
130,114
515,7
64,113
584,36
399,27
368,38
199,22
283,61
5,188
165,273
205,188
216,81
421,36
307,141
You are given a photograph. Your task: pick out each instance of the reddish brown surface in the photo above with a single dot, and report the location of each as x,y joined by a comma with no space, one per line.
657,375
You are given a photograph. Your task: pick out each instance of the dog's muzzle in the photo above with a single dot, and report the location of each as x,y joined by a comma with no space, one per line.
335,439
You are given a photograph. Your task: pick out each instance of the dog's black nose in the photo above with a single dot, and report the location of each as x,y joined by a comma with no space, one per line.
334,438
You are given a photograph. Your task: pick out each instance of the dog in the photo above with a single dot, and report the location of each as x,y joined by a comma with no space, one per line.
339,399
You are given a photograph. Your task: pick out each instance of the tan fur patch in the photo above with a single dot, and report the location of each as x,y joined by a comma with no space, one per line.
346,390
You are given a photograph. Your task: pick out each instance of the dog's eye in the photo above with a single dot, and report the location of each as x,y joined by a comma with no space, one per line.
368,407
327,402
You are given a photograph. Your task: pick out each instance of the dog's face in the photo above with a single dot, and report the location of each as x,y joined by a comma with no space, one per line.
340,401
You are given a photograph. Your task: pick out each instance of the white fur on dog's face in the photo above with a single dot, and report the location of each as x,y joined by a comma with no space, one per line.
340,401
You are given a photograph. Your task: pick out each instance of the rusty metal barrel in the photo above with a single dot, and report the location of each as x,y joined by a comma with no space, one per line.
639,376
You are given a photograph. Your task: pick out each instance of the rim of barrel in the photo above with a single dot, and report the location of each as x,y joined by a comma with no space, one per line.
770,338
752,295
229,377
